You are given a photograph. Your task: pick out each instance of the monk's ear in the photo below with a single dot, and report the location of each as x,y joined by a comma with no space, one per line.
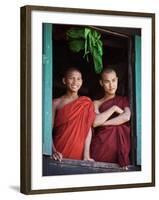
64,81
101,83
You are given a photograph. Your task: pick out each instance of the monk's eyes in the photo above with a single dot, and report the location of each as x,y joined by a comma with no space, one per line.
70,79
112,81
106,82
74,79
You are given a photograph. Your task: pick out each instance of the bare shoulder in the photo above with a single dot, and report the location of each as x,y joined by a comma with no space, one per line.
56,102
97,104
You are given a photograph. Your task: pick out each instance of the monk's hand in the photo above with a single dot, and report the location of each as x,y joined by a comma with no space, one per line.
57,156
118,109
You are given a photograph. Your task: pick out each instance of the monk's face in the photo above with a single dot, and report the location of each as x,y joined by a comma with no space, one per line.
73,81
109,82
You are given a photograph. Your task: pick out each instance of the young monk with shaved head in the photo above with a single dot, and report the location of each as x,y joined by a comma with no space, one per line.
111,139
73,116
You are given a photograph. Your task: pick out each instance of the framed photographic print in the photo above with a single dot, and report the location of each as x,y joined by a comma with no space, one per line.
87,99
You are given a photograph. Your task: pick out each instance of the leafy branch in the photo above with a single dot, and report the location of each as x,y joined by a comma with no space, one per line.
87,39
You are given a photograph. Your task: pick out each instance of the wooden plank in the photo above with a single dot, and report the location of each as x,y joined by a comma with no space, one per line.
84,163
68,167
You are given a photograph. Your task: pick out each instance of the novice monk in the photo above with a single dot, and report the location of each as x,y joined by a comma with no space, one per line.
72,120
111,139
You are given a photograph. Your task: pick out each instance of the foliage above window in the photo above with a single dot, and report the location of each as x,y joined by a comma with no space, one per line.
87,39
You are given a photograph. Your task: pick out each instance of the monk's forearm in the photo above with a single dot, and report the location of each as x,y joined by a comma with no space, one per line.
53,147
115,121
53,117
121,119
86,153
102,117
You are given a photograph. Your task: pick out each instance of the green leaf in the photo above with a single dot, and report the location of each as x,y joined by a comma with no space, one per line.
97,59
75,33
100,47
94,33
90,43
93,39
89,40
86,32
76,45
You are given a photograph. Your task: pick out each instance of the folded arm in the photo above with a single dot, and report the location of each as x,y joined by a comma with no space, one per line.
120,119
101,118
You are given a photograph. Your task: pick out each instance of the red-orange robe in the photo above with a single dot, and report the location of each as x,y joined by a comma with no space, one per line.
71,126
112,143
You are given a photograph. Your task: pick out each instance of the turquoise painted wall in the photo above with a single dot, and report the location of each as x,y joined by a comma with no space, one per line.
47,89
138,95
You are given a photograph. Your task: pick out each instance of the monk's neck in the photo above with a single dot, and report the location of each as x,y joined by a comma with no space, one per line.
107,97
71,95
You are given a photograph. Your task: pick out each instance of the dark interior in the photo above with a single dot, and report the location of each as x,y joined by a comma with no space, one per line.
115,55
118,53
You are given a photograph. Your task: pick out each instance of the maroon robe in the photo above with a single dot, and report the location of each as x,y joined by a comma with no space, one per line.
112,143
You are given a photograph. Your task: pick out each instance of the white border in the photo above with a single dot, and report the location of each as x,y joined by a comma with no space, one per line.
52,182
